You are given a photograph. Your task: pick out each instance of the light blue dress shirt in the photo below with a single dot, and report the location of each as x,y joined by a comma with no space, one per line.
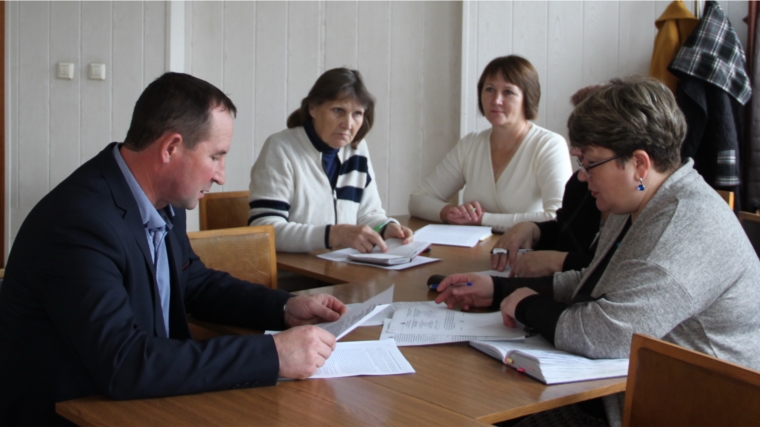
156,228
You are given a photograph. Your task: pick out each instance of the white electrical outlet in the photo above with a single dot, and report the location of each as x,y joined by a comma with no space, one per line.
97,71
66,70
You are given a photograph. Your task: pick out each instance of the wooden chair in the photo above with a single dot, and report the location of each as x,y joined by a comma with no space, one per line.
728,196
669,385
247,253
227,209
751,224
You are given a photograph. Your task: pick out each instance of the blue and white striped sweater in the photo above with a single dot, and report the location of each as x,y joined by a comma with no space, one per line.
290,189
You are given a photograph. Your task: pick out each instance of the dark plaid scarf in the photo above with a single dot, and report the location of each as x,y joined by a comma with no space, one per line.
713,53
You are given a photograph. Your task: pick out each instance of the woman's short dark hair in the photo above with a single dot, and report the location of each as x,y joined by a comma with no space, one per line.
520,72
175,102
332,85
625,115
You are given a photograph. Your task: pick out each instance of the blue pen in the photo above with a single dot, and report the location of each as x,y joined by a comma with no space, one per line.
435,286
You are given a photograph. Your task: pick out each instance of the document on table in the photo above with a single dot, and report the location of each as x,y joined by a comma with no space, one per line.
452,235
384,297
424,319
377,320
341,255
352,319
412,339
397,253
364,358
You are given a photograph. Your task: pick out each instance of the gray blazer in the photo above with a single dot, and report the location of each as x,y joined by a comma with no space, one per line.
685,273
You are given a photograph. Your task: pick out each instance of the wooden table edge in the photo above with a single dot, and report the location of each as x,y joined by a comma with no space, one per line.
553,403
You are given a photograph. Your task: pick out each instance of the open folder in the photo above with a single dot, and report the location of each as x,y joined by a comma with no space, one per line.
397,253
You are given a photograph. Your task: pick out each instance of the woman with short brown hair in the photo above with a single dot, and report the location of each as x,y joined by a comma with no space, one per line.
514,171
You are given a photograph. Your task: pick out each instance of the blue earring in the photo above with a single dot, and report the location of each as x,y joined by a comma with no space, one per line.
641,187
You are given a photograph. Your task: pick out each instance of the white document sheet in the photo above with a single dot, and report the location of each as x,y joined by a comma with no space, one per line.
341,255
438,320
397,253
377,320
384,297
452,235
352,319
364,358
412,339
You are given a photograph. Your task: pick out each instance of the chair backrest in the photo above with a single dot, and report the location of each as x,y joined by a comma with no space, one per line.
751,224
247,253
227,209
728,196
669,385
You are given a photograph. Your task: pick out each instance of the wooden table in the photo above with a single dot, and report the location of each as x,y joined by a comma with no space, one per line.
453,385
453,260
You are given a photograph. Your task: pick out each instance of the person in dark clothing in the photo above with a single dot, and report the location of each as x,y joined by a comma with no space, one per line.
101,276
565,243
672,262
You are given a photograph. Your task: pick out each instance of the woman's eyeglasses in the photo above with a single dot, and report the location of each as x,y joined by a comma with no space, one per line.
586,169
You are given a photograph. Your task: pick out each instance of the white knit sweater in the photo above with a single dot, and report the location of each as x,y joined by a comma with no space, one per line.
529,189
290,189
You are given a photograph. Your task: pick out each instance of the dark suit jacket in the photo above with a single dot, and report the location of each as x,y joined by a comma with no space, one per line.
79,312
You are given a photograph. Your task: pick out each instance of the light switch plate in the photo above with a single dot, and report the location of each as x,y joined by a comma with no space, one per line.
65,70
97,71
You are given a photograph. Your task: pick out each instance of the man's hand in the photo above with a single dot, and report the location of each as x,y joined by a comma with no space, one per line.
538,264
521,236
302,350
509,304
399,232
311,309
467,214
359,237
454,289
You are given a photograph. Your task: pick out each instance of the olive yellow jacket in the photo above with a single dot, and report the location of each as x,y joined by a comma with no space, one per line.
674,25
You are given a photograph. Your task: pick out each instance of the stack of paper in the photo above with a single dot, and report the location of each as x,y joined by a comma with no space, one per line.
537,358
364,358
397,253
452,235
403,256
426,323
361,357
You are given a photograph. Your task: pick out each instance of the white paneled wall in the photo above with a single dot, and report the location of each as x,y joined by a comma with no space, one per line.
570,43
55,125
421,60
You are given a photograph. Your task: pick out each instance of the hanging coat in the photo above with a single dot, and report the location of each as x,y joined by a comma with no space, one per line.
674,26
714,86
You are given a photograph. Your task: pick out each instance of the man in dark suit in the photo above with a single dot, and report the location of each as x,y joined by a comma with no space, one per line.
101,276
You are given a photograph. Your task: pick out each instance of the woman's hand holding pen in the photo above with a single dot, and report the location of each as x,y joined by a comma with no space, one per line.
521,236
470,213
456,289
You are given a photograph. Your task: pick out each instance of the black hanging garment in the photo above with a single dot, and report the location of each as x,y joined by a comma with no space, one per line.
713,90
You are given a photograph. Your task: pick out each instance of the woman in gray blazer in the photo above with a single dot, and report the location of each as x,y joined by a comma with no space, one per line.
672,260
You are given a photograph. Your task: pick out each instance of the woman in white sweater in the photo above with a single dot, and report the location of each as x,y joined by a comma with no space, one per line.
515,171
314,181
